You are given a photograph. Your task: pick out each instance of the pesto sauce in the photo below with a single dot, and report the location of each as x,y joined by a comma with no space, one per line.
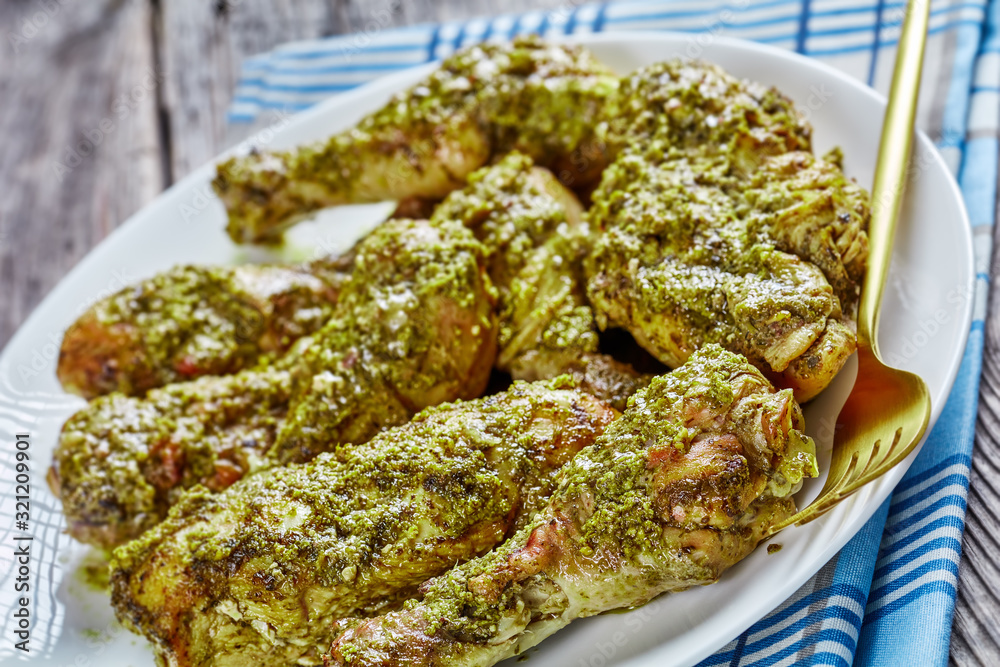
371,513
192,321
604,533
534,253
714,225
691,105
93,572
542,99
414,321
122,460
625,518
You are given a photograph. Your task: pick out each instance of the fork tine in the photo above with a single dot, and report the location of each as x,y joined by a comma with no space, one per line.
893,457
817,508
872,457
851,481
836,482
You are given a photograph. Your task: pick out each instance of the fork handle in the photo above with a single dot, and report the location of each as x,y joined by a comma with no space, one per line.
891,167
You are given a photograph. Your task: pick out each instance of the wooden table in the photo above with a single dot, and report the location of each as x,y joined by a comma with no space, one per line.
149,81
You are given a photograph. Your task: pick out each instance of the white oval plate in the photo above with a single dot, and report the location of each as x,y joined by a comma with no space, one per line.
926,317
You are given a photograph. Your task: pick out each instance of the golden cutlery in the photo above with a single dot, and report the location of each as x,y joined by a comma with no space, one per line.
888,410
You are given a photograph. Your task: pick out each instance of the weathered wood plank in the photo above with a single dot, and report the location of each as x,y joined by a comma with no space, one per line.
202,46
82,148
975,636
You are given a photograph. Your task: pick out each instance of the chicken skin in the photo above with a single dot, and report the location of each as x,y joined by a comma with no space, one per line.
713,225
258,574
542,99
415,326
535,237
679,488
193,321
123,461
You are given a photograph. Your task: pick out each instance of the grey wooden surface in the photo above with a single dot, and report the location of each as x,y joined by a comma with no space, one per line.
151,79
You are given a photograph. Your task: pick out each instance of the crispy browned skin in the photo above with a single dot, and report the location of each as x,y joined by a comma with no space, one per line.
674,492
258,574
415,326
194,321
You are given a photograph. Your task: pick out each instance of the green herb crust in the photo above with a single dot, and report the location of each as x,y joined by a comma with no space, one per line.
258,573
679,488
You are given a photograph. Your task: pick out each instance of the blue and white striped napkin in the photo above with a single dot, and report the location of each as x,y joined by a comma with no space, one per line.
888,597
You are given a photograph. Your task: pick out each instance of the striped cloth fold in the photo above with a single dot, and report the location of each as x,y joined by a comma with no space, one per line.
888,597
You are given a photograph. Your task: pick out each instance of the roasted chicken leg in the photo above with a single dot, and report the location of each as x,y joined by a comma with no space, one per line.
674,492
193,321
533,230
712,226
543,99
415,326
258,574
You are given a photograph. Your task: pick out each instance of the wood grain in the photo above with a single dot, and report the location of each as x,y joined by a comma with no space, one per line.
975,638
78,157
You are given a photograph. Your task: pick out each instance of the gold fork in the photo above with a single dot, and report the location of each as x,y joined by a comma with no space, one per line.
888,410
